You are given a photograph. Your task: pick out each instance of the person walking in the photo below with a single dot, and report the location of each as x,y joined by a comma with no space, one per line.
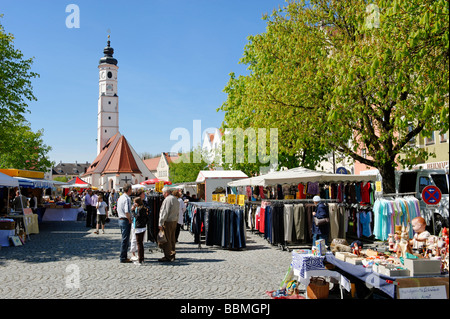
94,200
113,197
102,213
168,219
321,223
140,220
88,204
124,214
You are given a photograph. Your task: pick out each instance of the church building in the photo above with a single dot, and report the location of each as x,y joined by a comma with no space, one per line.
117,162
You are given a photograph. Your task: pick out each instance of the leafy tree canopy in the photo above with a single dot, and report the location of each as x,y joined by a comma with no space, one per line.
20,147
345,75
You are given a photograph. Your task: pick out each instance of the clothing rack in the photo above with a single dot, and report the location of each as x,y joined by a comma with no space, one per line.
339,213
218,224
153,202
395,194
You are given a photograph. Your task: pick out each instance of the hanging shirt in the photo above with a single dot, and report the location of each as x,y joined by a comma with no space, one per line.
365,218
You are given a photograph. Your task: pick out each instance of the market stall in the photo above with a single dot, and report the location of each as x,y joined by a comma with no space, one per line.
23,221
279,205
416,275
208,182
7,225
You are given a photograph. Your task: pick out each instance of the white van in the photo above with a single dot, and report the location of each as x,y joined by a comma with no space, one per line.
414,181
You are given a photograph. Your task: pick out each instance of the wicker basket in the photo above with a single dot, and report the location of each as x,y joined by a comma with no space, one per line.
318,288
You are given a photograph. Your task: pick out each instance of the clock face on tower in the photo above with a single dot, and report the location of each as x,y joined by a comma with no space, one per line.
109,87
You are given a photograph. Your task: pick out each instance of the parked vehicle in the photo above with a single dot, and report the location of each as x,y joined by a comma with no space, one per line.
414,181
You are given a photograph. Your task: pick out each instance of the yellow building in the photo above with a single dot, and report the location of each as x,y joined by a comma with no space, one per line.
437,144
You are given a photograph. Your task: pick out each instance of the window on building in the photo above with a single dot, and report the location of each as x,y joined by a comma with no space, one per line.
443,138
430,140
363,153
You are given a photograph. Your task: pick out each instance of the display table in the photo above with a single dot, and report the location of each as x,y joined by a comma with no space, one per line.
302,263
4,237
61,214
386,284
305,266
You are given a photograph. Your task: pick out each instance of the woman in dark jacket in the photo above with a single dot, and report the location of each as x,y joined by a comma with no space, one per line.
321,212
140,216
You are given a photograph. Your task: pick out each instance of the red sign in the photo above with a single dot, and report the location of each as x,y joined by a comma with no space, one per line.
431,195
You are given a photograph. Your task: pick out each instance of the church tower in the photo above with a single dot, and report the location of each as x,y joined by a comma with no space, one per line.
108,101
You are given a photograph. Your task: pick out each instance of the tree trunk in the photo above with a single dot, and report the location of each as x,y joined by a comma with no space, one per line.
387,172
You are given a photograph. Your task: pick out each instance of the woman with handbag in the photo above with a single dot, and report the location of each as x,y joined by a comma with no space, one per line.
321,221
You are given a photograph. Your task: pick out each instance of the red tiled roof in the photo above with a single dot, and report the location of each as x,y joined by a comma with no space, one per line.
170,158
122,159
115,157
152,163
94,166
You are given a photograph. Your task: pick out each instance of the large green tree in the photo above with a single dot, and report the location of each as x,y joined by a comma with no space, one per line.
346,75
23,148
187,167
20,147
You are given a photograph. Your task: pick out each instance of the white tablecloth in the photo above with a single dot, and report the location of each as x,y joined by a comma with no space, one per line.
4,237
61,214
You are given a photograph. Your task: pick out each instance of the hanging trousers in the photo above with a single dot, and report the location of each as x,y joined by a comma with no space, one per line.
288,218
299,222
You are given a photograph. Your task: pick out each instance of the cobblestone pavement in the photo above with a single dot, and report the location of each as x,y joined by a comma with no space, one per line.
67,260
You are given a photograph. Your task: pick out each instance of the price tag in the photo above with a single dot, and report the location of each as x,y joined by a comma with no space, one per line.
241,200
231,199
378,187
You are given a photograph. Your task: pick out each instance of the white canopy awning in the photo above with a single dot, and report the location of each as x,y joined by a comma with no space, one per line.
300,175
224,174
8,181
140,186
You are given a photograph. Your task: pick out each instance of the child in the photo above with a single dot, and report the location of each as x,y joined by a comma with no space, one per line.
101,213
140,219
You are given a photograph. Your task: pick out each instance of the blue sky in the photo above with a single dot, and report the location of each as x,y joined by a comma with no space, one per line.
174,61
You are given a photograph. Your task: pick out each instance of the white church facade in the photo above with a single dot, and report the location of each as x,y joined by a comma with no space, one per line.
117,162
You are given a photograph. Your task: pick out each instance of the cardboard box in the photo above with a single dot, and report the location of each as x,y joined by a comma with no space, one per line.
320,244
7,225
390,270
394,272
344,255
354,260
422,266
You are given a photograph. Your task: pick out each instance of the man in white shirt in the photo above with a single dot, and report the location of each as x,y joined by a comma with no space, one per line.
124,213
